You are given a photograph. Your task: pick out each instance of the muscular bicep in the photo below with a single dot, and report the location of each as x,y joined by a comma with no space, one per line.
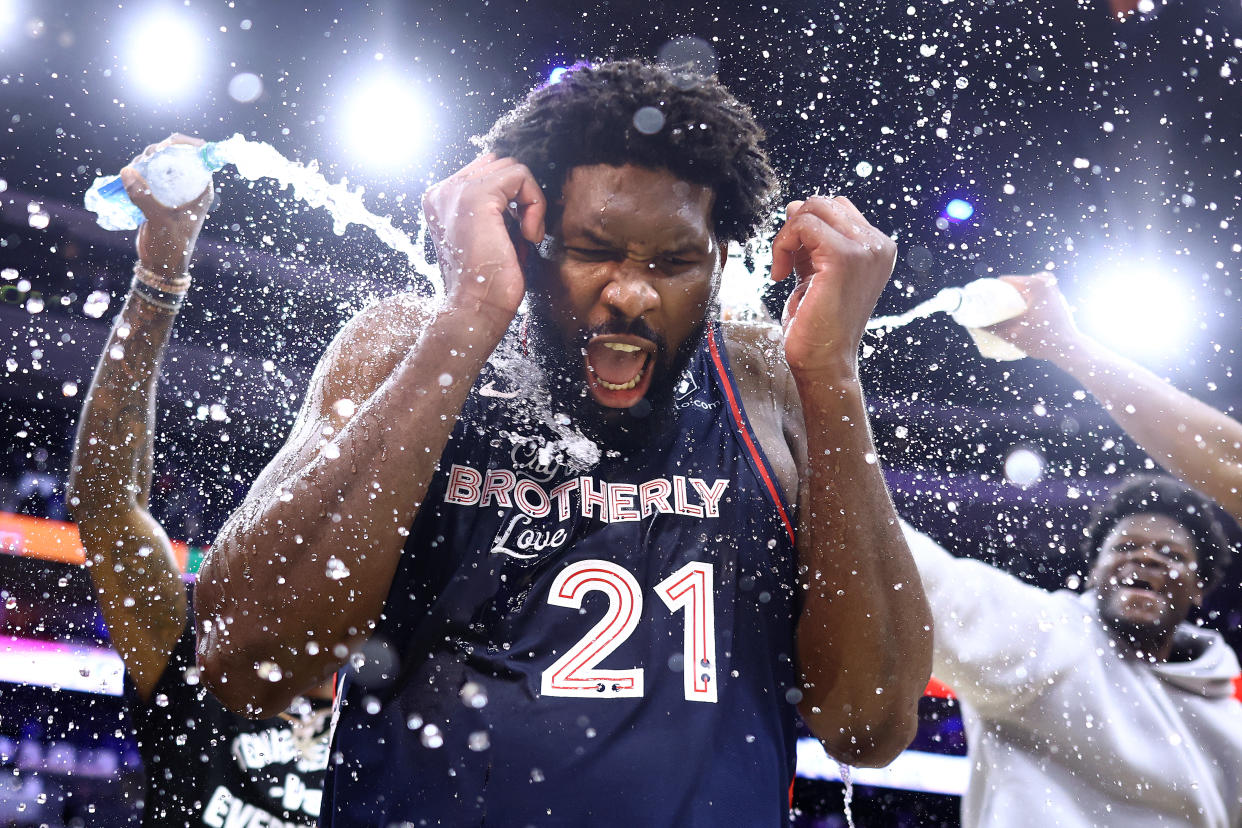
354,366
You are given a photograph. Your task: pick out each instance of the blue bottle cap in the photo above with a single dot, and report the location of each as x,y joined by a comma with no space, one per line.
114,188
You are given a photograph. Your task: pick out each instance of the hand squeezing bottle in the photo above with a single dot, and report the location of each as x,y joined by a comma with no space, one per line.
177,174
986,302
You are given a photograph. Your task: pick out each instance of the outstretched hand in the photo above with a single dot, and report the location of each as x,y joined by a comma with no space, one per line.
468,214
1046,330
842,264
166,241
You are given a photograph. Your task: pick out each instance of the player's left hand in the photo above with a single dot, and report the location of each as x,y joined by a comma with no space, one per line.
842,264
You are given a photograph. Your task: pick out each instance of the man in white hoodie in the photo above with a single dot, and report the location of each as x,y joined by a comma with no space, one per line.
1104,708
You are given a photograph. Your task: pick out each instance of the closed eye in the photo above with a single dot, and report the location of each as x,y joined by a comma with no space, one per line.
592,254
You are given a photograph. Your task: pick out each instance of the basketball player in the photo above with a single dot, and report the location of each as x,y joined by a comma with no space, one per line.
578,542
203,765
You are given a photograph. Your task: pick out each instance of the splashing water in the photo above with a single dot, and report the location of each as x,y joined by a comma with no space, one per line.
256,159
741,287
946,301
848,781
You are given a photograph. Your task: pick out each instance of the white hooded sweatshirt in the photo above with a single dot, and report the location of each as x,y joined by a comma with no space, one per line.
1063,729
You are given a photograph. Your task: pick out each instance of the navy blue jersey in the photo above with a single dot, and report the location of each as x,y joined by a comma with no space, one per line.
565,646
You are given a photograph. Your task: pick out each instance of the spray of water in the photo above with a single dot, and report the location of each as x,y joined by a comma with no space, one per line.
849,795
946,301
256,159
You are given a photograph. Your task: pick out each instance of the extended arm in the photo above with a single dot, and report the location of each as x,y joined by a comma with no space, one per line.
276,615
864,637
1195,441
136,578
998,640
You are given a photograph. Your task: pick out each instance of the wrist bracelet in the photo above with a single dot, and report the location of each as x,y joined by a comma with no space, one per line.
155,296
176,285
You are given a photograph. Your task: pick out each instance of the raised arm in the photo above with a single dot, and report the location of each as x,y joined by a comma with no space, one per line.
275,614
1196,442
137,581
865,633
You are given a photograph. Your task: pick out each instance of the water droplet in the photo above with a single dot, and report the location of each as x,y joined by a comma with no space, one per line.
479,741
473,695
269,671
648,120
336,569
431,737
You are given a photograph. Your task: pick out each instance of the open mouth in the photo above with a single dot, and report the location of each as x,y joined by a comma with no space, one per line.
619,369
1137,585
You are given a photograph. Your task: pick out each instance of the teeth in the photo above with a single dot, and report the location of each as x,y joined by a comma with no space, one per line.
612,386
622,346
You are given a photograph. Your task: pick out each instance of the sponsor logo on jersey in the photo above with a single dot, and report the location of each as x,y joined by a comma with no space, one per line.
489,389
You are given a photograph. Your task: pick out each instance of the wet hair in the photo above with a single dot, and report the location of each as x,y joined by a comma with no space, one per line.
706,136
1162,495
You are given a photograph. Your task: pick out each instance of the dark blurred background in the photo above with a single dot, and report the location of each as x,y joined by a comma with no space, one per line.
1099,146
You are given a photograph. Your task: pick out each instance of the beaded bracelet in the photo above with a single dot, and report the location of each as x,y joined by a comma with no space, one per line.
163,292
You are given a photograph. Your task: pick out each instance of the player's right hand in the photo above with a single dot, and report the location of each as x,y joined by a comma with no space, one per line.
1046,330
166,240
466,213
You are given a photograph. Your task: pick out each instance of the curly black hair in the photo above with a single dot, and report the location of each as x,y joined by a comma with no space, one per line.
701,134
1162,495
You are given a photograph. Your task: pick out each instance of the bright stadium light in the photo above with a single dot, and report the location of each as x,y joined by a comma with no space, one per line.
1141,310
556,74
10,15
387,123
164,57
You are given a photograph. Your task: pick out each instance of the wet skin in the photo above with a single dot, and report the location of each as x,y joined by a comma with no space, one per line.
631,280
634,266
1146,582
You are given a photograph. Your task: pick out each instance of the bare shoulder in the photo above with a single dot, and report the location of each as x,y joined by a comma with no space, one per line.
758,360
373,343
747,339
757,357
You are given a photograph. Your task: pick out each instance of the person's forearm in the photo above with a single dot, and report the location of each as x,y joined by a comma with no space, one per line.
865,634
302,570
113,442
1195,441
137,582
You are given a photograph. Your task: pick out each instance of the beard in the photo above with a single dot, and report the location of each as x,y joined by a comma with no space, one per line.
560,354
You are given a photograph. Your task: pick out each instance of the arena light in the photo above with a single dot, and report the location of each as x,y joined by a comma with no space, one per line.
8,19
1140,310
959,209
164,55
386,123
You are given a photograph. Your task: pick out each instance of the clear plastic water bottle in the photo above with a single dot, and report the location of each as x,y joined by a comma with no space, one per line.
986,302
177,175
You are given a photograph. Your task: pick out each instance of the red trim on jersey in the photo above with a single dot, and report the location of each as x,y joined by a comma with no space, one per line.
736,410
938,689
1237,687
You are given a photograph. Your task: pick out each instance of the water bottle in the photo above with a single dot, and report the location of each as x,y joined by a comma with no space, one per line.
986,302
177,175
